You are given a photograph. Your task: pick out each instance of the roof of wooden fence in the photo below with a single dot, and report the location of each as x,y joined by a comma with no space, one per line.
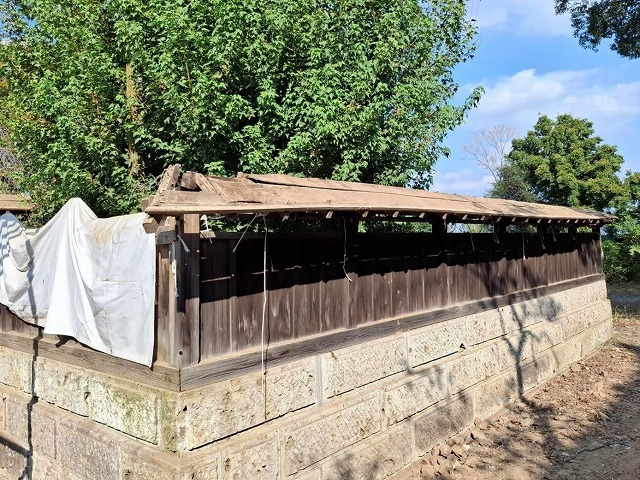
312,198
14,203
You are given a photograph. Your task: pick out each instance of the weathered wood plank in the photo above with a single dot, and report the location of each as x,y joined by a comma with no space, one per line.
189,290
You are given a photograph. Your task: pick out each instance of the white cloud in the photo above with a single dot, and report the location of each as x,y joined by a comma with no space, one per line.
519,99
464,182
521,17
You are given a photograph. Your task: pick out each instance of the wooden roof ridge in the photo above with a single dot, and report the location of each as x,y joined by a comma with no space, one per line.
278,193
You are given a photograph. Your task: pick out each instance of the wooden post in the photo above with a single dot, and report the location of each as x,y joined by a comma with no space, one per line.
168,336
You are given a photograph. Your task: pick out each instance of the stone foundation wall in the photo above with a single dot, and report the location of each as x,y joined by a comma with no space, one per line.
361,412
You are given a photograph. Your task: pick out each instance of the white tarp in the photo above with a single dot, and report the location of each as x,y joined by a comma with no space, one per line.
85,277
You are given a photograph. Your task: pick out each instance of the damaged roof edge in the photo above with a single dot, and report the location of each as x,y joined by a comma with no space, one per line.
249,194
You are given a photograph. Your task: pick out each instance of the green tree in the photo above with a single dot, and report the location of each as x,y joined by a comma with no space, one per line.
511,183
564,163
596,20
104,95
622,248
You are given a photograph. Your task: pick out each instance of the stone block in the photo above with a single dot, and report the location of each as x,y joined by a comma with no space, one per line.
490,324
219,410
546,336
315,474
259,462
534,311
45,468
595,337
565,354
80,451
208,471
431,343
62,385
416,395
473,367
147,465
352,367
378,460
28,424
13,459
169,410
579,320
536,371
436,425
291,387
2,410
315,441
216,411
514,349
15,369
134,412
490,396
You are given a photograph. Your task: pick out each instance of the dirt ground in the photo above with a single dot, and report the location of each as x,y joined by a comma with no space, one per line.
584,424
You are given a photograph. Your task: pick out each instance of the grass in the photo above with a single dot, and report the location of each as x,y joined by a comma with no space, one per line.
625,298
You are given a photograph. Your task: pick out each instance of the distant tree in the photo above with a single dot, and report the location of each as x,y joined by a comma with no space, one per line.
596,20
511,184
103,95
564,163
622,247
489,148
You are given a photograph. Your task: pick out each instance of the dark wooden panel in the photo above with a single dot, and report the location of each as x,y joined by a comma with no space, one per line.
249,289
215,297
392,275
306,291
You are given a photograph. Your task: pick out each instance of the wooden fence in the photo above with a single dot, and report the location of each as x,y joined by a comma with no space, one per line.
314,293
311,289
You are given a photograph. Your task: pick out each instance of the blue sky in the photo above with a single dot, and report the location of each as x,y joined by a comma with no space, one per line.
529,64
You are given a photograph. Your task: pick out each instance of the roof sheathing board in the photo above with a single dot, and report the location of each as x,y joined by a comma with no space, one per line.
256,194
14,203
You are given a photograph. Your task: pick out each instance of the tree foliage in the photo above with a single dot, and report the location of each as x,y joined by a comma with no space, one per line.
622,248
511,183
101,96
596,20
564,163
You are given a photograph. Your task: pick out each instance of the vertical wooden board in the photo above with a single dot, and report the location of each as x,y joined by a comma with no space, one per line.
5,323
442,282
167,330
215,291
307,288
455,277
399,282
249,290
189,288
282,273
364,292
472,280
502,280
383,290
596,254
335,308
416,279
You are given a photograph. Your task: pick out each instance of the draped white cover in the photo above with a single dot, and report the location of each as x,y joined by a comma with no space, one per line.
85,277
